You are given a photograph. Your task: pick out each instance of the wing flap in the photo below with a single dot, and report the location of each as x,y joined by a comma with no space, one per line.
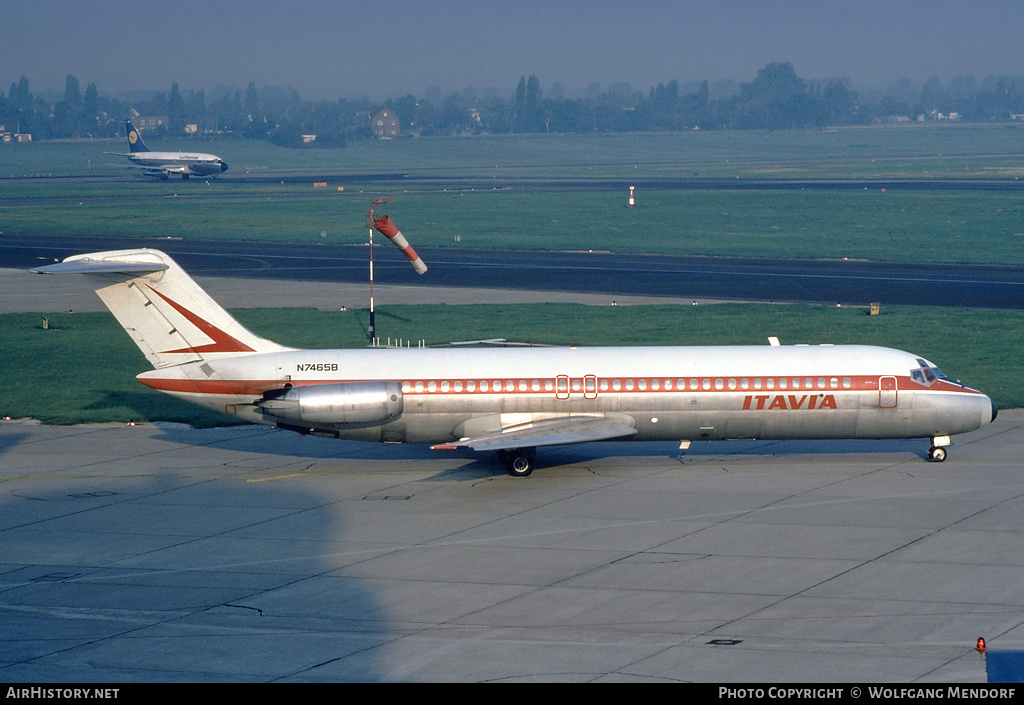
560,430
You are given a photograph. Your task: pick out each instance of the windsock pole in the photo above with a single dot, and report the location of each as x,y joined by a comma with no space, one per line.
387,228
372,331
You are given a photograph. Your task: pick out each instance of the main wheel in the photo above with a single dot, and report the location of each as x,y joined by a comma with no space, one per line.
936,454
518,462
521,466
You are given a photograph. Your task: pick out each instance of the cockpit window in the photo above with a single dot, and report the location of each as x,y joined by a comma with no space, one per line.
927,374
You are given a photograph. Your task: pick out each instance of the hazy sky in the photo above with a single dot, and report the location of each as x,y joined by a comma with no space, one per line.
386,48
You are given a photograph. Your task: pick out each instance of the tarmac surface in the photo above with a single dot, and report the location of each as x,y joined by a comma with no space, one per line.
246,554
161,553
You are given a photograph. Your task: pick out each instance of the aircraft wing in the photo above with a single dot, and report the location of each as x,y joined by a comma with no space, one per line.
559,430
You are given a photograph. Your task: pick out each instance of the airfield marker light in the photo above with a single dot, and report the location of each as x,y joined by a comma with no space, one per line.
980,648
632,202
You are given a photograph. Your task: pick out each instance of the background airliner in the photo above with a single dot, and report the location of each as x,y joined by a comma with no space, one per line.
515,399
163,164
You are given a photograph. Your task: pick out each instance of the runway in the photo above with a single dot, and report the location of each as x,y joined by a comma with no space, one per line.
608,274
158,553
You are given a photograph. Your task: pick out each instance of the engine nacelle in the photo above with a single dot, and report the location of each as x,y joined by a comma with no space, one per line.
333,405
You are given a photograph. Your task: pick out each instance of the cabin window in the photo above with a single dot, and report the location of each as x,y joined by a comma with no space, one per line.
419,386
458,386
629,385
444,386
757,383
706,384
732,384
483,385
642,384
549,386
522,385
535,385
821,382
847,383
617,385
719,384
834,383
693,384
655,384
783,383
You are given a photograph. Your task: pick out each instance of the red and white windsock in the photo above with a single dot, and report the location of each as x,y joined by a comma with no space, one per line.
387,228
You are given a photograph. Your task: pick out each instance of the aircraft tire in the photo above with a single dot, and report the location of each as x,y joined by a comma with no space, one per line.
936,454
518,462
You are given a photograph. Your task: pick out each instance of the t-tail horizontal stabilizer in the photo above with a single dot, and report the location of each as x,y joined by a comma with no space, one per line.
168,315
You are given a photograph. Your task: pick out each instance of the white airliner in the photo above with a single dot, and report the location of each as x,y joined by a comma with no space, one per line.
163,164
515,399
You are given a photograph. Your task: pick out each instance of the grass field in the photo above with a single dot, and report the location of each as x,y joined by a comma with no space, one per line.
83,369
894,225
947,151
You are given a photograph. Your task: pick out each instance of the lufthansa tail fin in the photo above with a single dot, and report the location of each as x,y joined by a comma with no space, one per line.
168,315
135,143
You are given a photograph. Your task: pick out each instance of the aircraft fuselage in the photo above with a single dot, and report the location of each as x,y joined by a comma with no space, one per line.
190,163
665,393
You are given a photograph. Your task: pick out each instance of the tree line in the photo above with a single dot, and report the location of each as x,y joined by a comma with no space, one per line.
776,99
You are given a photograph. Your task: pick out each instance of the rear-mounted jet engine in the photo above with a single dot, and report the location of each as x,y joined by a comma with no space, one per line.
329,407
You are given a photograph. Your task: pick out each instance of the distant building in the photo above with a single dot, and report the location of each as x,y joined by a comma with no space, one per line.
151,123
384,124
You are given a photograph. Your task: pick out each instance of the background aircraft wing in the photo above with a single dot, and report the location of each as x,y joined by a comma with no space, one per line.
551,431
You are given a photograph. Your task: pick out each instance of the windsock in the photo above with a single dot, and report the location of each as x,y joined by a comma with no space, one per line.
387,228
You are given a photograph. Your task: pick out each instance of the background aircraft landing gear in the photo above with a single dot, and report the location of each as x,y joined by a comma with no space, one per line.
518,462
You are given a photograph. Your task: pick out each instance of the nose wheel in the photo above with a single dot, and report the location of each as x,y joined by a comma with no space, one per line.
937,453
518,462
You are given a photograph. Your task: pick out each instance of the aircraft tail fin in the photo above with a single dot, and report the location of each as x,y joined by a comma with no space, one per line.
135,143
168,315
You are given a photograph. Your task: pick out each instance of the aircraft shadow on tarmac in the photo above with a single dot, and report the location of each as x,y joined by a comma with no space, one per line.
263,440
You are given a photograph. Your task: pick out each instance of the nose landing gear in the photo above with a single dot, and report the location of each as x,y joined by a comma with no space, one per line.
937,453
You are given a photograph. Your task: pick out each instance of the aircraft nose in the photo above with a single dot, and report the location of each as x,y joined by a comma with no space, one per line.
223,166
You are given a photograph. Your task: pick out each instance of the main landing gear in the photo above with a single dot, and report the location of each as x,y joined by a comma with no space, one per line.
518,462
